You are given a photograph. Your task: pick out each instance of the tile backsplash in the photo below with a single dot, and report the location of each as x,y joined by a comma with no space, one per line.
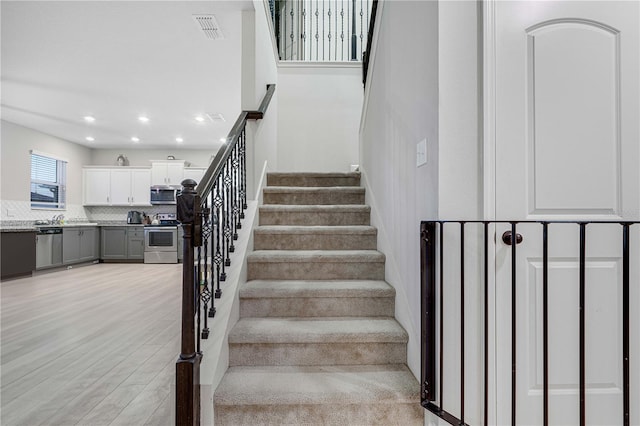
11,210
108,213
21,211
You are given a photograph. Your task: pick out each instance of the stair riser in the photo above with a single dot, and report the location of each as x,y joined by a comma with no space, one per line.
317,307
410,414
281,354
266,241
311,181
314,218
315,270
314,198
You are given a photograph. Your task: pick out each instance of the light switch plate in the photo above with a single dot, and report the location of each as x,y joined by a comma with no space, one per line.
11,212
421,153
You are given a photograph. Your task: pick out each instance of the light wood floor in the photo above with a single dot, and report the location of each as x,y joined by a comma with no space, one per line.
94,345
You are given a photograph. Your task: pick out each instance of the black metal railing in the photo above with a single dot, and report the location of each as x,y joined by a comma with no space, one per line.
366,55
434,284
321,30
210,213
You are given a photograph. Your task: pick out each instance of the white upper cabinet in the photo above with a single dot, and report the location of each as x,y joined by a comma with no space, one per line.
194,173
140,187
170,172
117,187
96,187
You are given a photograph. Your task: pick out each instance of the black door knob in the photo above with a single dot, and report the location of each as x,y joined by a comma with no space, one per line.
507,239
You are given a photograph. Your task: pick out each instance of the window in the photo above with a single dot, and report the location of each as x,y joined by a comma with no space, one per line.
48,182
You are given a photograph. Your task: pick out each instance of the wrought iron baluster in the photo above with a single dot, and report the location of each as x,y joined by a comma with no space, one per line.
197,299
318,32
545,323
329,35
218,201
513,323
291,36
228,232
207,284
625,326
583,260
304,32
462,322
341,29
243,157
361,29
235,218
237,204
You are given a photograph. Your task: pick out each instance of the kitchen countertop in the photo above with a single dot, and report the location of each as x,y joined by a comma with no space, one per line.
30,227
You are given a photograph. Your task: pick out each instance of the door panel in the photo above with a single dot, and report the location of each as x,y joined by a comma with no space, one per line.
573,118
567,133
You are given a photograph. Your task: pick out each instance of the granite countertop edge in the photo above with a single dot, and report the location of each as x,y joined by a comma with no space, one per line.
34,228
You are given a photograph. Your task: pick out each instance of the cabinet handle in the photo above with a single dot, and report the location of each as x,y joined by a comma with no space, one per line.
107,199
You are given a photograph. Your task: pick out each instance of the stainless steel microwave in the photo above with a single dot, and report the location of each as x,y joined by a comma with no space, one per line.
163,195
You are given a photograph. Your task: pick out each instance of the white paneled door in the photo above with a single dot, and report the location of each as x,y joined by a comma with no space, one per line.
566,148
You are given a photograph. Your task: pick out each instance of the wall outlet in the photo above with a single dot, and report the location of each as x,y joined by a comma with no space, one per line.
421,153
11,212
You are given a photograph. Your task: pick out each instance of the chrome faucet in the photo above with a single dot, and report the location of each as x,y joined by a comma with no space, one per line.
57,219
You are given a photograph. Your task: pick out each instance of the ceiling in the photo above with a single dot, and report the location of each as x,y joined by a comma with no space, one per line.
117,61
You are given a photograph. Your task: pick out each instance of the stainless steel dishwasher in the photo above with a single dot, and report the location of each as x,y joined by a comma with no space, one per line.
48,247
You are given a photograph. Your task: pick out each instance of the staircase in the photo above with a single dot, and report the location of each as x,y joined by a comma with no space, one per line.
316,342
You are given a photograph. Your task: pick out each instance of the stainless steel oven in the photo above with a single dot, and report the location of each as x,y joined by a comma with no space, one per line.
161,244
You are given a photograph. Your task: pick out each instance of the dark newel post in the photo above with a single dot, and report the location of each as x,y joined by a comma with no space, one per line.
188,364
354,37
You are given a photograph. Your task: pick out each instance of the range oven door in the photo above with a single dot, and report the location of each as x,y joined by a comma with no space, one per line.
161,244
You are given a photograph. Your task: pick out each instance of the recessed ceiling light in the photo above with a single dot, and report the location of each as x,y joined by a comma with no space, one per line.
135,139
199,118
179,140
89,118
143,119
90,138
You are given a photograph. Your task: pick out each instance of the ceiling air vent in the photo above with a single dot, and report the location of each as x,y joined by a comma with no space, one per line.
215,116
209,26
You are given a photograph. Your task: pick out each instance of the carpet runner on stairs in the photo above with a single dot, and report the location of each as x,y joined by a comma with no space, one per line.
316,342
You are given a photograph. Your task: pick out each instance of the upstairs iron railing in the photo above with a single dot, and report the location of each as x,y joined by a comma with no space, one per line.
437,249
321,30
210,213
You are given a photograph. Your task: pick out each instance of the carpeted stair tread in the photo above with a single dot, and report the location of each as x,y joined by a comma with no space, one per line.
324,330
313,195
293,385
315,256
265,289
318,229
283,237
314,214
313,179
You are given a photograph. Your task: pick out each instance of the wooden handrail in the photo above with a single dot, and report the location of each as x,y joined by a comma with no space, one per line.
367,52
193,212
214,169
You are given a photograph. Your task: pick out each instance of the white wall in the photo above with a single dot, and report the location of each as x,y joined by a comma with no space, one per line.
15,145
319,110
425,82
401,110
259,68
142,157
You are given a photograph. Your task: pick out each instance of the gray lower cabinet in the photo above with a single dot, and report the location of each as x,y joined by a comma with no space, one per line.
122,243
79,244
135,243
